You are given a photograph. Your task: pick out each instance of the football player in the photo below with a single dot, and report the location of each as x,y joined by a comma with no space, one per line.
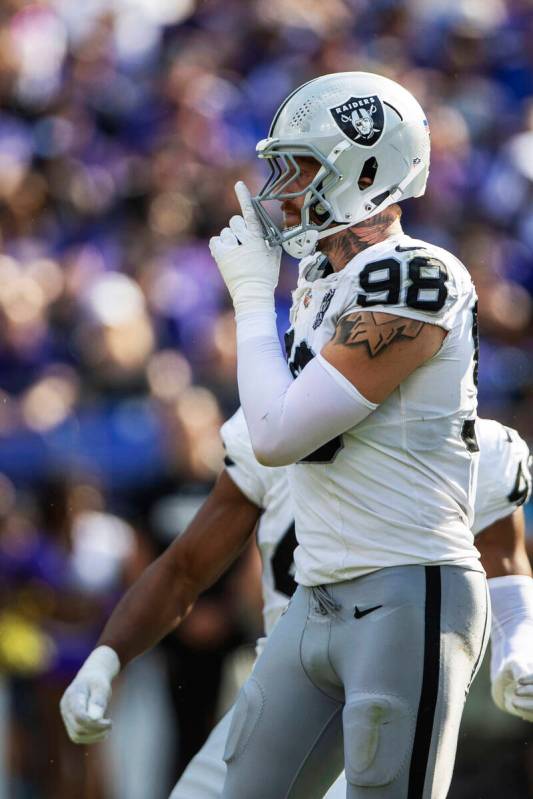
159,600
375,418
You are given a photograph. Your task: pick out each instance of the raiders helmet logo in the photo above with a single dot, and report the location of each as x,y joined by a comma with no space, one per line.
361,119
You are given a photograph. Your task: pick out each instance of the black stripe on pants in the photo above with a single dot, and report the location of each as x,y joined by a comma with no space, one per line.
430,685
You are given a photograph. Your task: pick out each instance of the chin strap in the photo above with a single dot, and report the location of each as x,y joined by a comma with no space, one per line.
302,245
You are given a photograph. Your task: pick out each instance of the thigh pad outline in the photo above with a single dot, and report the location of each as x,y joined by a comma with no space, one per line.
246,715
378,736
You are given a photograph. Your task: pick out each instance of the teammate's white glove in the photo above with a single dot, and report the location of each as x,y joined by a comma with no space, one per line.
512,690
512,644
83,705
249,266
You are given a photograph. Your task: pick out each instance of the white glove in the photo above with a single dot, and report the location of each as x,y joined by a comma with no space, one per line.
248,265
512,644
84,703
512,690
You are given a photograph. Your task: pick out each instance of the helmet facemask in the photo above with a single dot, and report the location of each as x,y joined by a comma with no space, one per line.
316,214
319,216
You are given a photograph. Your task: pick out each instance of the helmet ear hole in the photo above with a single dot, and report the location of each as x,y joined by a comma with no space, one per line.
368,173
320,209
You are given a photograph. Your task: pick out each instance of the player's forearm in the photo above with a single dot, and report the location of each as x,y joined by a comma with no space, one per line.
285,417
150,609
157,602
263,376
154,606
160,599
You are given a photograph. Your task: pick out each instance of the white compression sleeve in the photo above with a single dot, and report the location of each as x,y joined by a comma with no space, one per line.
512,620
289,418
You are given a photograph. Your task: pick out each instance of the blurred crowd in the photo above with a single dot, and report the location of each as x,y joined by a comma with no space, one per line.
124,125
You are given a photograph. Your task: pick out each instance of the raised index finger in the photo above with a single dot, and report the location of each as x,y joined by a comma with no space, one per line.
248,211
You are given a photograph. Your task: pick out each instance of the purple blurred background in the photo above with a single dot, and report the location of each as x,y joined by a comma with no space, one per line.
123,127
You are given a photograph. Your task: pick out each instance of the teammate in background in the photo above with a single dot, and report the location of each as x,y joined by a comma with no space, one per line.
504,485
248,492
375,414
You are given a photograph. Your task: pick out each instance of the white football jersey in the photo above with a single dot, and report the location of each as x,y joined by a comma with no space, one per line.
504,483
398,488
504,478
268,488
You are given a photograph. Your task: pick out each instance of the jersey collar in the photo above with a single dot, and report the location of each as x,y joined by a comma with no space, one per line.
374,251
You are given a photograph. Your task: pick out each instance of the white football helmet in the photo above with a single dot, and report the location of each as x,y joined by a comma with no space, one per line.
371,139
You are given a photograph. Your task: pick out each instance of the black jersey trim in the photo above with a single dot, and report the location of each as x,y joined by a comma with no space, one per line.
468,434
283,562
430,685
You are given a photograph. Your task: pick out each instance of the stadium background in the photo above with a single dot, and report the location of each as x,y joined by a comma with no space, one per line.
123,127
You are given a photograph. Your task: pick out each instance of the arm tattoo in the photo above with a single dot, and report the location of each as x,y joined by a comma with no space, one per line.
364,329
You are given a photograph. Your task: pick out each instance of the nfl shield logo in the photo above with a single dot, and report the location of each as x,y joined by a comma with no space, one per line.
361,119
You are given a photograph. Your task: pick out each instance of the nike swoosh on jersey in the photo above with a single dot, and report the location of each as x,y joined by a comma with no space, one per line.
358,614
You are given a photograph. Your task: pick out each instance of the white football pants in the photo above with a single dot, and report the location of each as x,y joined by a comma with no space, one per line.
370,674
204,776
